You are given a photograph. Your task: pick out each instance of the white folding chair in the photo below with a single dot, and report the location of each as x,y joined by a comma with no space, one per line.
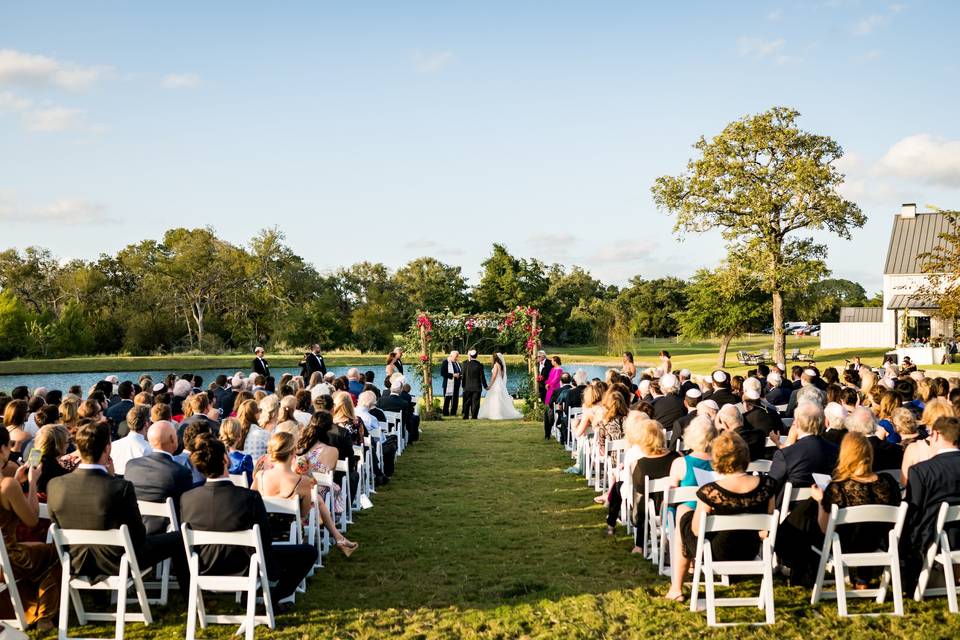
791,495
573,416
395,428
128,575
239,480
168,511
323,540
759,466
599,464
374,445
288,507
255,580
613,461
346,516
44,514
940,552
365,469
9,585
763,566
652,521
833,558
668,525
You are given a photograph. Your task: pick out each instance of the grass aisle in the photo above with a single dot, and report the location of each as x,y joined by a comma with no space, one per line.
481,535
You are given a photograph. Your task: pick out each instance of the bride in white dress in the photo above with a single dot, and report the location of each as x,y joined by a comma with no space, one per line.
498,405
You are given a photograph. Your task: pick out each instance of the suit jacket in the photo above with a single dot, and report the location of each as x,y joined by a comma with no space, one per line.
885,455
724,396
678,426
396,404
261,366
447,369
355,387
929,484
474,378
543,374
118,413
222,506
314,363
795,463
225,399
760,418
834,436
157,477
93,499
668,408
756,440
777,396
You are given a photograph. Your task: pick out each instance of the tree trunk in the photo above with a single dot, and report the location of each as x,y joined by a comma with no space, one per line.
724,345
779,335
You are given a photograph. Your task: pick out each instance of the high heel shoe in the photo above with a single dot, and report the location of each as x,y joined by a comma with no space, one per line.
346,547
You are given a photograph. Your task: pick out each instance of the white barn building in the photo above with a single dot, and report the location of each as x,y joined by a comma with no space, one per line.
905,317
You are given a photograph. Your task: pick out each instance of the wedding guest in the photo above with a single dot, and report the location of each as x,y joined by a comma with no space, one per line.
133,445
303,413
231,432
885,455
809,454
655,463
316,455
669,407
729,419
922,449
36,567
69,416
14,418
52,441
734,492
219,505
835,416
254,438
629,368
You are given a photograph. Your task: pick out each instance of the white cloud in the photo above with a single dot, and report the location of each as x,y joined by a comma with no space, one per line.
68,211
180,81
622,252
869,24
431,62
35,69
926,158
72,211
553,242
759,48
775,15
51,119
11,102
433,247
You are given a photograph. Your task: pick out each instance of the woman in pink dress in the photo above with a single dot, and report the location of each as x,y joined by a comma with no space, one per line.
553,380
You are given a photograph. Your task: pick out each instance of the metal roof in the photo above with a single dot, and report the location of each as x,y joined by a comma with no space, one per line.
861,314
910,238
910,302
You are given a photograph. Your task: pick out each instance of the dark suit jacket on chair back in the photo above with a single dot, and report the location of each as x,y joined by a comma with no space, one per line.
157,477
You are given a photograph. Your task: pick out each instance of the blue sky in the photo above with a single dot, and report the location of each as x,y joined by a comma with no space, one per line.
389,130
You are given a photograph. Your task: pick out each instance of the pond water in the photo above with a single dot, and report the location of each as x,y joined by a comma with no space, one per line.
64,381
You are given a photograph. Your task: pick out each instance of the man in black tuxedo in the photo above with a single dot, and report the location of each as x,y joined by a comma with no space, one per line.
157,476
543,372
474,381
219,505
810,454
93,498
314,362
450,374
668,408
260,365
929,484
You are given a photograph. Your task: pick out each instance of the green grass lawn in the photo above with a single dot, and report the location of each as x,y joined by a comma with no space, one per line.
482,535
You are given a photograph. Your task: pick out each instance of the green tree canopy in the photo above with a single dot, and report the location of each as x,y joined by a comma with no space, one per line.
763,182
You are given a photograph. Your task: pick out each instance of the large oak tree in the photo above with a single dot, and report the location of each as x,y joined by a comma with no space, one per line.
764,183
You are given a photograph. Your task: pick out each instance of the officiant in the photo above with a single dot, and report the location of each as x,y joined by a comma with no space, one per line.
450,374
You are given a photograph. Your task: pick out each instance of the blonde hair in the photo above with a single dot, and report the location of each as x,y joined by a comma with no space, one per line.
230,431
867,381
52,439
289,426
937,408
160,412
343,408
281,446
614,405
269,410
68,411
632,427
856,457
653,439
591,395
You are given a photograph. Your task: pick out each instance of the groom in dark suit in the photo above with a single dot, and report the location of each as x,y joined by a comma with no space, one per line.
450,374
474,381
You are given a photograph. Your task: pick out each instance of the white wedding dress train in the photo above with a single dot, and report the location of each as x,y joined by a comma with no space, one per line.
498,405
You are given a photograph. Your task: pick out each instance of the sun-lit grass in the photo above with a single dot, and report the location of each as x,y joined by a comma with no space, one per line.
481,535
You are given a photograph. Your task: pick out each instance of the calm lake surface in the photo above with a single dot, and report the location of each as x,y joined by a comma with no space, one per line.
64,381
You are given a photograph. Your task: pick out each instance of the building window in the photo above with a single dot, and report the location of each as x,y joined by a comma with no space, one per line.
918,327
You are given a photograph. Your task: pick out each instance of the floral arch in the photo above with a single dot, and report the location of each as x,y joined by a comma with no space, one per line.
517,331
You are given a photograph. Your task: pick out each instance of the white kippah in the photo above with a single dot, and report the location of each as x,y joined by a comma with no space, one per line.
751,394
157,388
709,404
668,381
684,373
719,376
472,353
810,372
694,393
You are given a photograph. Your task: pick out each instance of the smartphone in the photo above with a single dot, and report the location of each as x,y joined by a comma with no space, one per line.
34,458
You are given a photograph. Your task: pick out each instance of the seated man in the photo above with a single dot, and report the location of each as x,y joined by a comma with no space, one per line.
93,498
809,454
219,505
929,484
730,419
394,402
157,476
365,411
133,445
200,403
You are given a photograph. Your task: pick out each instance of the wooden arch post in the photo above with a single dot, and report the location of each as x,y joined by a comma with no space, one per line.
426,361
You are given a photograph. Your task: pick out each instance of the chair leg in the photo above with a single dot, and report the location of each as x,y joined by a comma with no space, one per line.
708,586
65,602
840,574
767,583
122,597
895,582
951,582
251,605
192,599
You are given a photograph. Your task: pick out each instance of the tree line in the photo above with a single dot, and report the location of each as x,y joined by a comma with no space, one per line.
192,291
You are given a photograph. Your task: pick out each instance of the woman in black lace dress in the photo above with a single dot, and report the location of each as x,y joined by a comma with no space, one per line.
734,492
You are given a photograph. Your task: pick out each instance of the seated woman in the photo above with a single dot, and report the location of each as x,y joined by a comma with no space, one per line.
734,492
231,432
623,479
35,564
14,419
315,455
853,484
655,463
698,435
610,425
280,480
920,450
